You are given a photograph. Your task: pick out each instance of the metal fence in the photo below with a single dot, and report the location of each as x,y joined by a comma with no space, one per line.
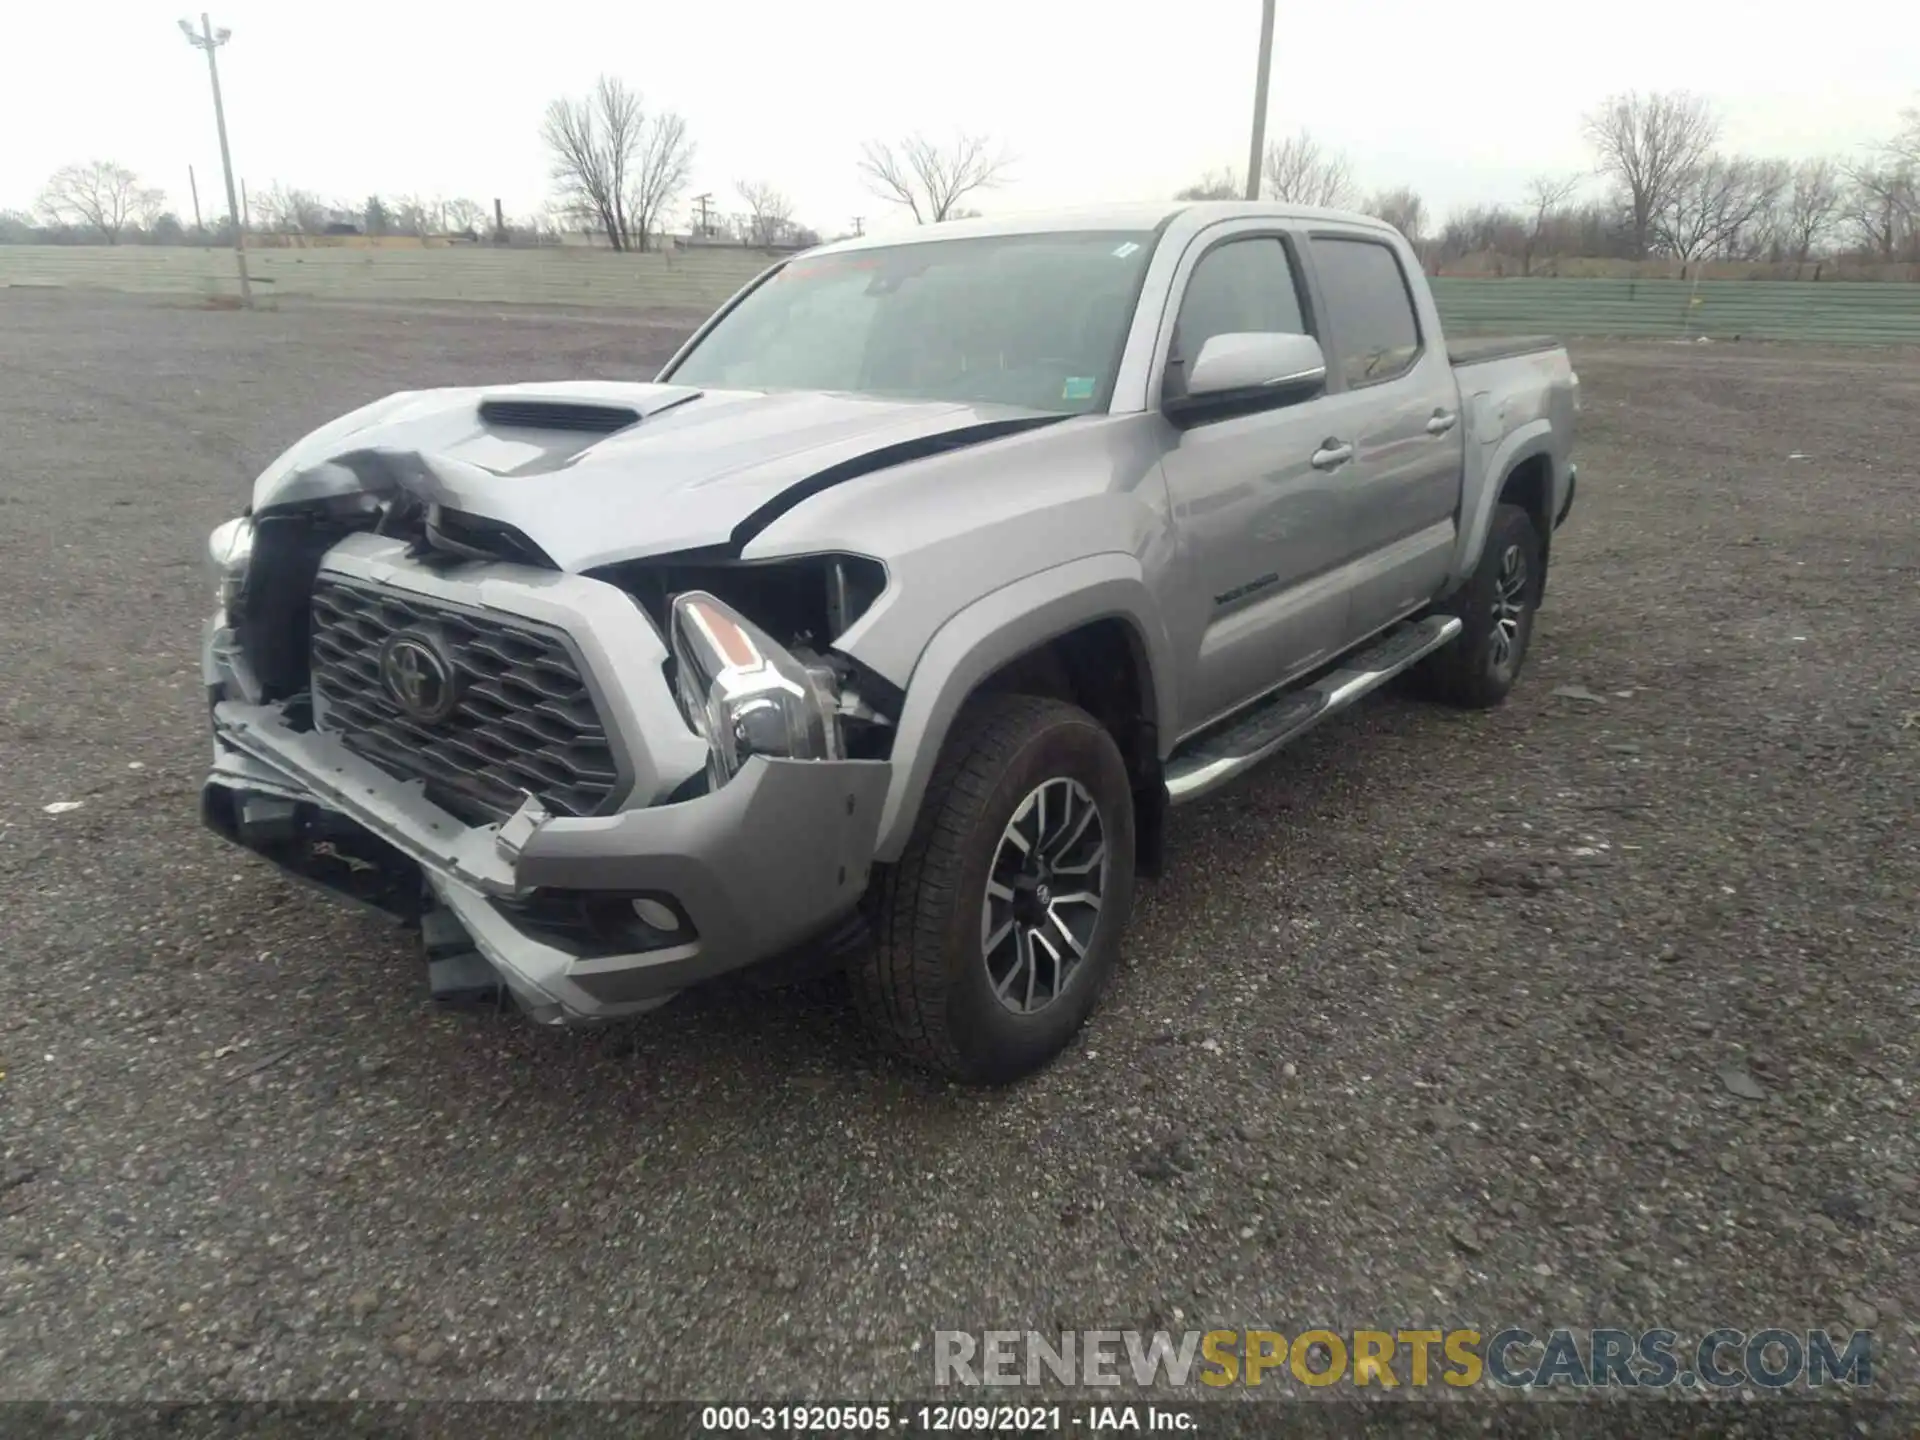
1837,312
695,280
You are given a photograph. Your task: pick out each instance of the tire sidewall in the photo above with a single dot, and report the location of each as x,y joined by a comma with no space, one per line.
995,1042
1512,526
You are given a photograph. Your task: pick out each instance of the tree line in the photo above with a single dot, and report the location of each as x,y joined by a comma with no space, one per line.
99,200
1666,189
1660,185
618,169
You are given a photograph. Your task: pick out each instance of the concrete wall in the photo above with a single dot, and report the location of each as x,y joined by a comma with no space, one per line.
1837,313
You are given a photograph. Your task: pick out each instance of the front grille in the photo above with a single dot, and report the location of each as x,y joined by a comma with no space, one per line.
525,720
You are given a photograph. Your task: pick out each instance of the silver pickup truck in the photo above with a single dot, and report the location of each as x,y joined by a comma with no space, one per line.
881,629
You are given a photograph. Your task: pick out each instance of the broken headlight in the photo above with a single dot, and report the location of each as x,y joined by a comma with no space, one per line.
744,693
230,550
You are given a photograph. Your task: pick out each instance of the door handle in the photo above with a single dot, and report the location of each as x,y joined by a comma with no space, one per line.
1332,454
1442,421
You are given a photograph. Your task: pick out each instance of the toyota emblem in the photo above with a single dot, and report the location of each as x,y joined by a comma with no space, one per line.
419,676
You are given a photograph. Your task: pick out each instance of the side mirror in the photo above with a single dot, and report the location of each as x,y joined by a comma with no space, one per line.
1249,370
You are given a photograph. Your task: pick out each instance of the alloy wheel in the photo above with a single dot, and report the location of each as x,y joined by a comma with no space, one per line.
1044,894
1509,606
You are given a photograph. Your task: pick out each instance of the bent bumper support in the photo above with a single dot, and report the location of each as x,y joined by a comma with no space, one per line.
773,858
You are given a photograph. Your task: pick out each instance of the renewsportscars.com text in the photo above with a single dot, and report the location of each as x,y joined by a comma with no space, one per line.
1771,1358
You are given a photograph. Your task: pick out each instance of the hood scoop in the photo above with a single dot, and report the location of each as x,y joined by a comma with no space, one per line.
569,415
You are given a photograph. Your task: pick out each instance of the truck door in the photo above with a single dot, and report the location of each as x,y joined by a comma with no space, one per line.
1261,522
1400,411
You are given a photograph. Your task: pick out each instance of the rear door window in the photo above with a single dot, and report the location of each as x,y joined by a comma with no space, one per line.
1369,308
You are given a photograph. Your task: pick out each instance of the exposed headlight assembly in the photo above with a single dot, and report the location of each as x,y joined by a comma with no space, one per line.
745,693
230,550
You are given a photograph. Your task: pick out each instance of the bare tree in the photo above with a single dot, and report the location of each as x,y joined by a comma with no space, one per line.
661,165
1547,196
1214,185
464,216
100,195
1401,208
593,139
931,179
1905,146
1484,229
1881,207
1759,236
1648,145
1809,208
544,226
1719,207
1300,172
769,217
1880,202
285,210
413,215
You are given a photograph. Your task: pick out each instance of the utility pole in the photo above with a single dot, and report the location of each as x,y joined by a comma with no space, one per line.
859,224
1256,151
194,185
705,222
210,40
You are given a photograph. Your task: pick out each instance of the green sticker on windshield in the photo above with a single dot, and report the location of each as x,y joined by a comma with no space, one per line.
1078,387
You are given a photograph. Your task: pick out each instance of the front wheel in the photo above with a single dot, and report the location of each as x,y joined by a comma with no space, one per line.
1496,608
999,928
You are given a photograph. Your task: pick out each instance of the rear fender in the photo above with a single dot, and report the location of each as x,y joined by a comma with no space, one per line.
1488,466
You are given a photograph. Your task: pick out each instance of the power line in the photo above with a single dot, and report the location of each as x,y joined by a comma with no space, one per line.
208,39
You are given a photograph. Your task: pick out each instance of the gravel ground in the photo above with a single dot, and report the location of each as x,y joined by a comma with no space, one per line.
1599,1009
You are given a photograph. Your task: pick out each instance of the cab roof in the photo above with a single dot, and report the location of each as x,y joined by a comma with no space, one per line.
1133,217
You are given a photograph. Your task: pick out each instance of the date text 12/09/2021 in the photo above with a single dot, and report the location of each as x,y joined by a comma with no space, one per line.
945,1419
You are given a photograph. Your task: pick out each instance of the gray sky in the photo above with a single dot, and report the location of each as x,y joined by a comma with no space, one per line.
1100,101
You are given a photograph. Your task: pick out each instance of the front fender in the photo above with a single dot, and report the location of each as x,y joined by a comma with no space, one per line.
998,628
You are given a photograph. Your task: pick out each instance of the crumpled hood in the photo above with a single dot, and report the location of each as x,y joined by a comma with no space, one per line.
691,469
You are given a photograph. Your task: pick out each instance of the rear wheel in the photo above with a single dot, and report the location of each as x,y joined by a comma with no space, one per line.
999,928
1496,609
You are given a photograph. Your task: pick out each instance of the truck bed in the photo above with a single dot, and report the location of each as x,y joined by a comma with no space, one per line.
1478,350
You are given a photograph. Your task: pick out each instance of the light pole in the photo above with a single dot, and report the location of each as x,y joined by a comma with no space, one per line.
1254,151
208,39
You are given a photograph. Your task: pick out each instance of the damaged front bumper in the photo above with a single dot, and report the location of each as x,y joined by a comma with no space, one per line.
753,869
771,859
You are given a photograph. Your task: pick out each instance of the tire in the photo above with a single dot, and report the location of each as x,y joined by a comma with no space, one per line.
928,984
1476,671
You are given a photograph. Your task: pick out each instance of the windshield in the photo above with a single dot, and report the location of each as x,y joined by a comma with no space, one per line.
1035,321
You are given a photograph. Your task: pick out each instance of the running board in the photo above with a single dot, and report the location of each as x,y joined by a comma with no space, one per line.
1214,759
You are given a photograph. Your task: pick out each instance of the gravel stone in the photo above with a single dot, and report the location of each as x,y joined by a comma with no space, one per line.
1774,855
